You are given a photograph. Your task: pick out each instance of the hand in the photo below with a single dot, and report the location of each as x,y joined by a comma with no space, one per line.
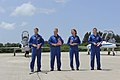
72,44
54,44
75,43
98,44
38,46
95,44
34,45
71,41
58,44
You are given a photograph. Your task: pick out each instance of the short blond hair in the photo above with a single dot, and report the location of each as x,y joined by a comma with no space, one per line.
56,29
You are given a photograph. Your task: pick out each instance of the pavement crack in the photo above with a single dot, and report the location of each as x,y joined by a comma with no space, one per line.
39,77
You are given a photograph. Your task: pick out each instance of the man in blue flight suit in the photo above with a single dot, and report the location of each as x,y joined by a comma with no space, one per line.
73,42
36,41
55,42
95,41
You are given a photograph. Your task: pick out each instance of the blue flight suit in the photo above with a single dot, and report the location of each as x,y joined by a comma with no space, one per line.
74,51
55,51
95,50
36,39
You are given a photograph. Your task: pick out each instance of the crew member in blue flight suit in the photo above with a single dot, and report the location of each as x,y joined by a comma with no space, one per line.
73,42
95,41
36,41
55,42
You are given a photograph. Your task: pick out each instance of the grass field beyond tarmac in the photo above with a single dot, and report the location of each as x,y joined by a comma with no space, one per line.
17,68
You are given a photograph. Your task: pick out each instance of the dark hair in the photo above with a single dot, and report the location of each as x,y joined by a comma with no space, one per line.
95,29
37,29
75,31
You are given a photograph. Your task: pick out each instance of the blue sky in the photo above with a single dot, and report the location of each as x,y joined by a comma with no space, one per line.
19,15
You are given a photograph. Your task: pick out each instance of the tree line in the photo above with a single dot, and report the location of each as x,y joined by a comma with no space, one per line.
86,36
4,48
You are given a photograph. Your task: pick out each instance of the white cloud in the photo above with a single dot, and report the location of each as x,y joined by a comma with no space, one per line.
26,9
23,24
46,11
2,10
61,1
8,26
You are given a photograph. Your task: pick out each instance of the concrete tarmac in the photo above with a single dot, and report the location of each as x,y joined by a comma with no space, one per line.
17,68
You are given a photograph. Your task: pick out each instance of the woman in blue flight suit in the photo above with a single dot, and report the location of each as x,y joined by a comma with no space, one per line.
95,41
36,41
55,42
73,42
